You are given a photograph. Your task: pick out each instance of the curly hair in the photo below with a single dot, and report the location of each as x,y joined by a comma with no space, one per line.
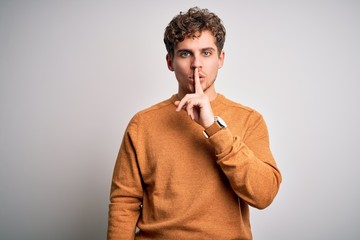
189,24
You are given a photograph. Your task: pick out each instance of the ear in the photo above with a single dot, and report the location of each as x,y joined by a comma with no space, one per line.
221,59
169,62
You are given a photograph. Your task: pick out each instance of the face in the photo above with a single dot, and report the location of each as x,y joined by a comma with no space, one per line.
200,52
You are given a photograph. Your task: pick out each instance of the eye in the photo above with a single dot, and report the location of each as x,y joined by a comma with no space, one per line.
206,53
185,54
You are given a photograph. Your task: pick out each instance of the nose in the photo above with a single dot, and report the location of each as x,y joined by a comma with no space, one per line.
196,61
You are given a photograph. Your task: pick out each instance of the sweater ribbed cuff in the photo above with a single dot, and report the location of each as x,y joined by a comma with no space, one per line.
221,141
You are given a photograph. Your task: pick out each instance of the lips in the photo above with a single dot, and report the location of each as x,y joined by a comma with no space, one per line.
201,76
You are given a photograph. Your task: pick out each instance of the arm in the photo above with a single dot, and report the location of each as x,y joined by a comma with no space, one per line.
248,163
126,190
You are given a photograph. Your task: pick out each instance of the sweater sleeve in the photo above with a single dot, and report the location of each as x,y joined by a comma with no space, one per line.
248,163
126,190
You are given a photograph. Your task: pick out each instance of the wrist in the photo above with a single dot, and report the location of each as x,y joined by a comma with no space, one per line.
209,122
217,125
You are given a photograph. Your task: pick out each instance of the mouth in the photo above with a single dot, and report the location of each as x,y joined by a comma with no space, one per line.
201,78
192,80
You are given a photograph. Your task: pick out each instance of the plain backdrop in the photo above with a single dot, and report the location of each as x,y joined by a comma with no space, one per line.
73,73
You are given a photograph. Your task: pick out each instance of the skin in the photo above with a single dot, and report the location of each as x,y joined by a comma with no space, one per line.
196,63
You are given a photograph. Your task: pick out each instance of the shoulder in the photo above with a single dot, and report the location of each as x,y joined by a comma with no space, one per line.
157,110
241,118
161,106
235,106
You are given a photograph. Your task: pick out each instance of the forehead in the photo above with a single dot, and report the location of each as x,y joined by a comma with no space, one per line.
201,40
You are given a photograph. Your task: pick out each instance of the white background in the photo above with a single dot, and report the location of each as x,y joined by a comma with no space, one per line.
72,74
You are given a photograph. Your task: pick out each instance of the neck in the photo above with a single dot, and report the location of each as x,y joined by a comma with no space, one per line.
211,93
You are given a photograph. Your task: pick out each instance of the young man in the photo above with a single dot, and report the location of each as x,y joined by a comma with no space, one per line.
190,166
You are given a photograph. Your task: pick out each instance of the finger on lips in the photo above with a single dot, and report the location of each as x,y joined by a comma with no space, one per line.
185,103
198,88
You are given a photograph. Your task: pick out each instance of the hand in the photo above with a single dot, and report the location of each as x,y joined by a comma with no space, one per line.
197,104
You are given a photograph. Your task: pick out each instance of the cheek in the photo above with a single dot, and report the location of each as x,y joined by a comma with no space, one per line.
180,70
215,67
179,74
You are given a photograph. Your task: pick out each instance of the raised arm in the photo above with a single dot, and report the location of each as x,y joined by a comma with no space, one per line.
248,162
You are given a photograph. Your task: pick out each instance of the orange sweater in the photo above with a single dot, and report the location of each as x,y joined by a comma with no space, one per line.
174,183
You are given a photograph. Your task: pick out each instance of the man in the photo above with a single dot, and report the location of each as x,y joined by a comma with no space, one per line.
190,166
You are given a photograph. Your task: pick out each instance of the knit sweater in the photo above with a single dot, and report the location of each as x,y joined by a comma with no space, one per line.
174,183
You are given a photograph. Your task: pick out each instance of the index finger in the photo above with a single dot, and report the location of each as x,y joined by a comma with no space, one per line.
198,88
